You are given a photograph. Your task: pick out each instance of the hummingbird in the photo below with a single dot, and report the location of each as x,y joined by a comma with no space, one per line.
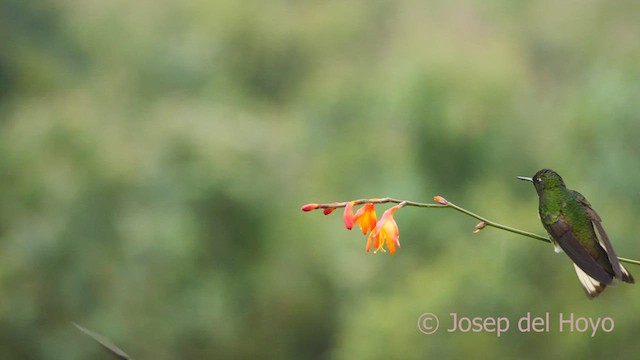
572,223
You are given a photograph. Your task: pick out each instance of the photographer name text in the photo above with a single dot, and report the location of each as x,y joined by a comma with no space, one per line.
428,323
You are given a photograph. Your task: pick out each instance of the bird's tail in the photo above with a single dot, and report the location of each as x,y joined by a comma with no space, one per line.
626,275
590,285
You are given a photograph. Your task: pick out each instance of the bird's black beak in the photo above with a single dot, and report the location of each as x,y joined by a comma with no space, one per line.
525,178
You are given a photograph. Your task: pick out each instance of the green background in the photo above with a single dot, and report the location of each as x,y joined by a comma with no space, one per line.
154,156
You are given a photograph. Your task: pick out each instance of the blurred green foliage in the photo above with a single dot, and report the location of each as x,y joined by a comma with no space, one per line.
154,156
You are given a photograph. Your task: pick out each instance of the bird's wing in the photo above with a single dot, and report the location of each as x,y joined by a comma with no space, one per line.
603,239
561,232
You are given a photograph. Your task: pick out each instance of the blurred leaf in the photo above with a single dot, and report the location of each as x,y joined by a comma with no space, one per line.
106,343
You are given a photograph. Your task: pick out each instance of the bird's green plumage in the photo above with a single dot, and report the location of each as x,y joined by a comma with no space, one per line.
570,220
562,204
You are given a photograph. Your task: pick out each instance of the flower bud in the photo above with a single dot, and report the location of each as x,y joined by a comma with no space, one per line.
441,200
481,225
328,211
309,207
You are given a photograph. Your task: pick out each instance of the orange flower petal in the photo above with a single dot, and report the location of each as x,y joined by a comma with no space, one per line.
366,218
369,240
377,244
360,212
348,215
392,247
393,234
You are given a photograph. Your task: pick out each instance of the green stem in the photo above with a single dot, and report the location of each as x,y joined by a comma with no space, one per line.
629,261
496,225
518,231
447,204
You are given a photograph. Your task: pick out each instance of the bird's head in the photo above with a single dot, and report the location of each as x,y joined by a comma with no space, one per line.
545,179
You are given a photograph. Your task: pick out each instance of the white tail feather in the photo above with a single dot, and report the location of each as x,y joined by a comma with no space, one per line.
591,286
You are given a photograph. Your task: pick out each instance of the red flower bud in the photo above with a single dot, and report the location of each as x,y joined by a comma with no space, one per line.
309,207
328,211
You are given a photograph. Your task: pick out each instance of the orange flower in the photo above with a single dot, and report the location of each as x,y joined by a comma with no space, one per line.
386,232
348,215
366,218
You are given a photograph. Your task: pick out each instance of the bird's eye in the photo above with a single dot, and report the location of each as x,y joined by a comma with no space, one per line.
538,179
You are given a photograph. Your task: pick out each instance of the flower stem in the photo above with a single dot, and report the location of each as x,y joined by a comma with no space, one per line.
496,225
443,203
